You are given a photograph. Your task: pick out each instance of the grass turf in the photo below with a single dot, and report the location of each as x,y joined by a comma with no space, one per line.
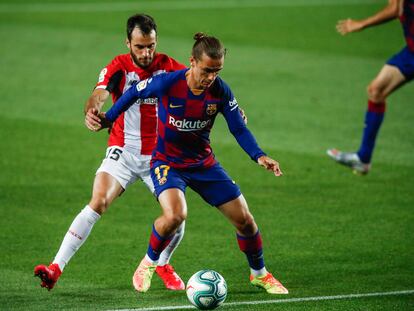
326,231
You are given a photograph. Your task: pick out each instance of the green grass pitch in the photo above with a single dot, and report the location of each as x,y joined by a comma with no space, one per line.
326,231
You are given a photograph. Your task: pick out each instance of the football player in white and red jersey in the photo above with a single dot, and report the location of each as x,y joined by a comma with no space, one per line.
131,142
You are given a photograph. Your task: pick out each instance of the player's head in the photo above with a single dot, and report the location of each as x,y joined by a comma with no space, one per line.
207,59
141,39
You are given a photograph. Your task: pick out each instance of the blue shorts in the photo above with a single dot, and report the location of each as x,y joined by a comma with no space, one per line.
213,184
404,61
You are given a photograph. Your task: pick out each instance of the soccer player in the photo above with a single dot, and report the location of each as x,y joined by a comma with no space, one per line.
131,141
398,70
189,101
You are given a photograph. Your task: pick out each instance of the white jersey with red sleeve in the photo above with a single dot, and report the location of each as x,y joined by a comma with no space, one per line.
136,129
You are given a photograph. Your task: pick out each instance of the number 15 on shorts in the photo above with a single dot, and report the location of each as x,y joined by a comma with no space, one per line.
113,153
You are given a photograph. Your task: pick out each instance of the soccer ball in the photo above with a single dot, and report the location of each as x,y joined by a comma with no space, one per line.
206,289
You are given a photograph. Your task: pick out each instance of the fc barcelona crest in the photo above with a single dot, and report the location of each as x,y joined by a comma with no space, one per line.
211,109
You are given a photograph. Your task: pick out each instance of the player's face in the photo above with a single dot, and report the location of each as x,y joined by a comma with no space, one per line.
205,70
142,47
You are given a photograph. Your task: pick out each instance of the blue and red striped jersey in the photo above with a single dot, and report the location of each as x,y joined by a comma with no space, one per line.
185,119
407,21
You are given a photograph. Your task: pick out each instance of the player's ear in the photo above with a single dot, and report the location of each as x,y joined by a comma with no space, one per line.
128,43
192,61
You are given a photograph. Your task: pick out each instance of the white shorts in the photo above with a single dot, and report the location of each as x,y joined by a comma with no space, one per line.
126,168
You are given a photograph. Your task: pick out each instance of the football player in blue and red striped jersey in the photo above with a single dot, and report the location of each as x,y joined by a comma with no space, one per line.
189,101
398,70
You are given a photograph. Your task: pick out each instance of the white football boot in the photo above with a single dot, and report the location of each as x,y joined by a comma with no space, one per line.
350,159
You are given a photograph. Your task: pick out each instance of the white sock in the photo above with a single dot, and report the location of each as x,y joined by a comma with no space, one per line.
77,234
261,272
148,258
166,254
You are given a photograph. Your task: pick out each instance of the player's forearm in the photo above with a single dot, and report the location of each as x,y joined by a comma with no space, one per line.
248,143
390,12
96,100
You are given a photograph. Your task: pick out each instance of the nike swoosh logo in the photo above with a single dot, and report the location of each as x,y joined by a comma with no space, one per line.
175,106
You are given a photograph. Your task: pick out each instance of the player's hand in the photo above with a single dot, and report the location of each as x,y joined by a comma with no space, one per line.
348,25
243,115
105,123
92,120
270,165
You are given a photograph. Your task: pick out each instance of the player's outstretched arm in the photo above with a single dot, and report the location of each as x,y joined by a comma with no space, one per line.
270,165
243,115
389,12
143,89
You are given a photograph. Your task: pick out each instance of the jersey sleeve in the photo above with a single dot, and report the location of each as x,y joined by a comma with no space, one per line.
110,76
237,126
152,87
169,64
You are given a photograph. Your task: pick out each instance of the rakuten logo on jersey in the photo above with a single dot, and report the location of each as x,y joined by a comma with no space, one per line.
187,125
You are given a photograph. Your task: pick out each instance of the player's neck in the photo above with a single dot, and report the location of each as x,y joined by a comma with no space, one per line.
194,87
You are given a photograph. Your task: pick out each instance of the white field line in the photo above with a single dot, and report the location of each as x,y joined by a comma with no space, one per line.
168,5
276,301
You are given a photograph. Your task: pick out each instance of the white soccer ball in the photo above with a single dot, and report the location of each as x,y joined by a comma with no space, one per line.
206,289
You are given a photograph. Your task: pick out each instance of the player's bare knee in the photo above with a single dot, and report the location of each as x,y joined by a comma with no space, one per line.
247,226
176,219
99,204
375,93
